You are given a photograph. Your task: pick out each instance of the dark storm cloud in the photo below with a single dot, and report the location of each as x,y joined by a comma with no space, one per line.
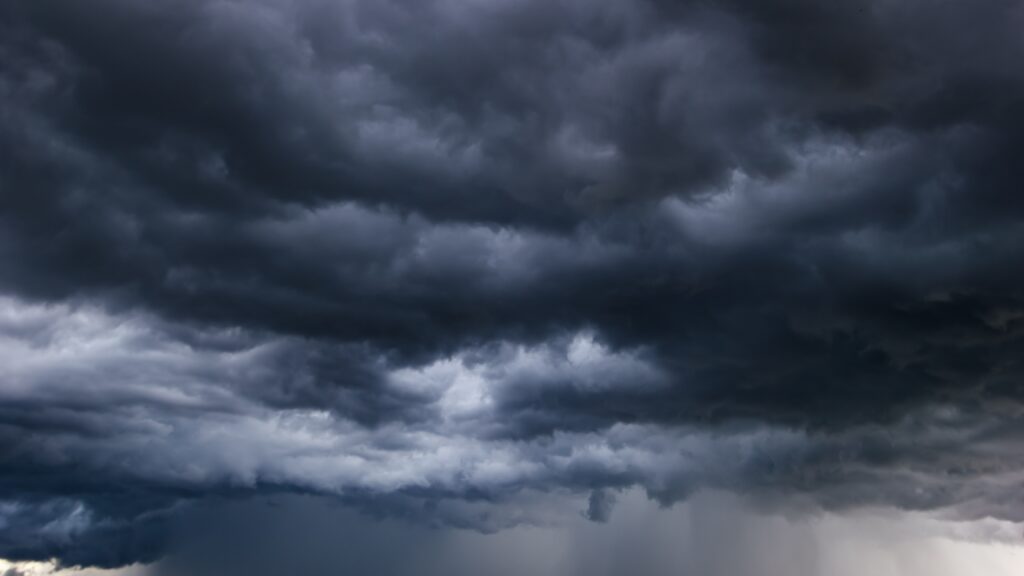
427,256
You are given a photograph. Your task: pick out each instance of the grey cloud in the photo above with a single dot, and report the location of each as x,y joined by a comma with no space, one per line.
600,506
425,257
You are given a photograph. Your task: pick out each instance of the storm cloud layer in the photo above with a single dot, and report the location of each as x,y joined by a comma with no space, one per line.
449,260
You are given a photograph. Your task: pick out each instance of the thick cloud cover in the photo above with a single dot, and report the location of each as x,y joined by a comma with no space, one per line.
451,260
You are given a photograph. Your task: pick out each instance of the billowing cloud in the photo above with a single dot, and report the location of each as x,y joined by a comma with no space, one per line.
454,261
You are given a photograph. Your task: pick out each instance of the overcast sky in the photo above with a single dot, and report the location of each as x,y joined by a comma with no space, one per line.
645,287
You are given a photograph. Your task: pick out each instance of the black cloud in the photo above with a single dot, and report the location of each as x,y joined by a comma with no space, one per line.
290,244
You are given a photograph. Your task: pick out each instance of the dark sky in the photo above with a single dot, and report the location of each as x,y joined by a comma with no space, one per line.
443,260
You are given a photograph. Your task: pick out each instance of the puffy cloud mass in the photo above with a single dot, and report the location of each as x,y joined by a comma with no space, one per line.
469,262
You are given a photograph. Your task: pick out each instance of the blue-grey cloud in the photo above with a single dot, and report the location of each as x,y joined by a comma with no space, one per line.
431,258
